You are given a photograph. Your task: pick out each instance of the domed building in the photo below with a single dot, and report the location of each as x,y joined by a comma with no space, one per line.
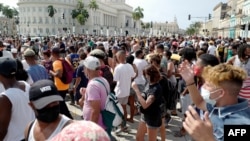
113,17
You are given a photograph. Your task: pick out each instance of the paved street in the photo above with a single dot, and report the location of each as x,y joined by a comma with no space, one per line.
174,125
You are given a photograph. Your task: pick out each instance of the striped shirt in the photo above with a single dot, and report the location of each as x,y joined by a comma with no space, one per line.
245,90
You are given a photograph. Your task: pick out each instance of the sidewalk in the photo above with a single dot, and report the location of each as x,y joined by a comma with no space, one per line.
174,125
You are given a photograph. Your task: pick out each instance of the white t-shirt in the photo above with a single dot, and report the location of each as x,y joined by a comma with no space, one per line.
212,50
7,54
25,65
21,114
123,74
140,64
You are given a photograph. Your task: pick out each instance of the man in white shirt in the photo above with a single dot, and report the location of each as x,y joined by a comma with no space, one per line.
211,49
123,75
15,113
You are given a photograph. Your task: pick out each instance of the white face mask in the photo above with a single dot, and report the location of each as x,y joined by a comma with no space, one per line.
206,96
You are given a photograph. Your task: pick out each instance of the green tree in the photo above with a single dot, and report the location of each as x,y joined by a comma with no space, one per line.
193,28
93,5
137,14
51,10
196,26
15,12
147,25
1,6
80,13
7,12
190,31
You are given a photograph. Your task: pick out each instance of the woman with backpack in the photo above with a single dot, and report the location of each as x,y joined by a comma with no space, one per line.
150,101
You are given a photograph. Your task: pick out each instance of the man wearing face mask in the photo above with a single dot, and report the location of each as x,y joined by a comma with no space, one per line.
44,100
219,97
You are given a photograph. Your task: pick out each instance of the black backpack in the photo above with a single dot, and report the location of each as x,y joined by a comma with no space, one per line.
168,91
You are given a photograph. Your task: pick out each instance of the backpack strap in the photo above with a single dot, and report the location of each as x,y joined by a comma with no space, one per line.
116,108
28,133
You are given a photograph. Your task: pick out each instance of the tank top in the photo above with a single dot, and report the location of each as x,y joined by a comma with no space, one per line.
21,114
58,129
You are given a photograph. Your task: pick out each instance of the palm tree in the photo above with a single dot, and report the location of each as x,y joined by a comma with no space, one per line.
93,5
7,12
1,7
137,15
80,13
15,12
51,10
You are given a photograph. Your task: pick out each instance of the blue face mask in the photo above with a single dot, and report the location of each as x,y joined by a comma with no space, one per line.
206,96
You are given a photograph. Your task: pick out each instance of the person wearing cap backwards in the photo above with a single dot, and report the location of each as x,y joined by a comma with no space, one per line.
44,100
15,112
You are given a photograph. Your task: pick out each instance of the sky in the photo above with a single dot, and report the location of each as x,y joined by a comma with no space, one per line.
166,10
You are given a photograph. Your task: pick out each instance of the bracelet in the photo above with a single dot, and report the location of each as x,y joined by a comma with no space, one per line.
190,84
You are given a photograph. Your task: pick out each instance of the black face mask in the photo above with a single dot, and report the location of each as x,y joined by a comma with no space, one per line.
48,114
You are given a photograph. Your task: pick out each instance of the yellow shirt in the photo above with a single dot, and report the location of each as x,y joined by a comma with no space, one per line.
57,65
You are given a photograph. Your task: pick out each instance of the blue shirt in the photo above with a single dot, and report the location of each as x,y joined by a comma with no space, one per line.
37,72
238,114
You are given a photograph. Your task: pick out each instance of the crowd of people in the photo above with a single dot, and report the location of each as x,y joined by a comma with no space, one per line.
208,76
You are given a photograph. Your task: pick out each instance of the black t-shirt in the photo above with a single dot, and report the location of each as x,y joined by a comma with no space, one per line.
156,91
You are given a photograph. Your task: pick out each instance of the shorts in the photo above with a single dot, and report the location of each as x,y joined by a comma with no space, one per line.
140,87
153,123
123,100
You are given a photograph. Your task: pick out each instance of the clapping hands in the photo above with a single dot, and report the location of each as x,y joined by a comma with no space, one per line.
199,130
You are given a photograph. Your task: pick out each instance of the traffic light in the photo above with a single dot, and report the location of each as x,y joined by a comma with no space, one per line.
62,15
189,17
209,16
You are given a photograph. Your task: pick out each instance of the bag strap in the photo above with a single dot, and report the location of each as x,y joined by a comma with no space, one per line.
28,133
116,108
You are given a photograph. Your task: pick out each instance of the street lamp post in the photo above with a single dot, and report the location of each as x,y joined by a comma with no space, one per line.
17,25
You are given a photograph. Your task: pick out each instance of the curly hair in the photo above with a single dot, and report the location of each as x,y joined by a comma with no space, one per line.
224,75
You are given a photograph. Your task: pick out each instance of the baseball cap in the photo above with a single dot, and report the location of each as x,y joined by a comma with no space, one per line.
29,53
92,63
43,92
98,53
82,131
8,66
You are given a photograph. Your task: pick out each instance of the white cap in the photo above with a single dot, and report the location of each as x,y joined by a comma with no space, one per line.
92,63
